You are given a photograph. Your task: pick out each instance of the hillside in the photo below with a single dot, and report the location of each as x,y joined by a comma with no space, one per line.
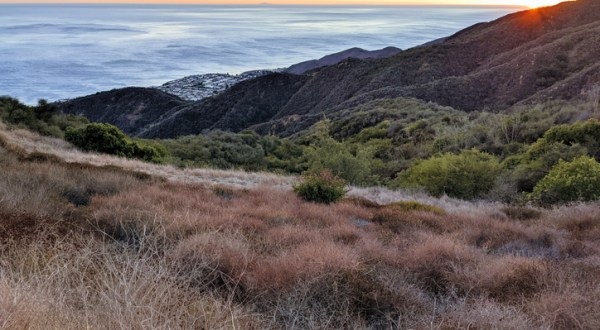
526,57
332,59
94,241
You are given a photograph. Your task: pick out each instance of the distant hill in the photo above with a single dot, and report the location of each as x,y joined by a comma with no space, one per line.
336,58
526,57
128,108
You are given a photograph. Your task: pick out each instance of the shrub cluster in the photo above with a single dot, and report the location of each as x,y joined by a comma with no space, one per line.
467,175
106,138
43,118
321,187
578,180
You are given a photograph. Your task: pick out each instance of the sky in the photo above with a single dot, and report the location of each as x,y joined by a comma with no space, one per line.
529,3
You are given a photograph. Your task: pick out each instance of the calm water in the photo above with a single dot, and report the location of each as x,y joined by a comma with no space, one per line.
62,51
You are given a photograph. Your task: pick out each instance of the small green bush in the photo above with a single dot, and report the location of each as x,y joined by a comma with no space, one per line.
578,180
467,175
321,187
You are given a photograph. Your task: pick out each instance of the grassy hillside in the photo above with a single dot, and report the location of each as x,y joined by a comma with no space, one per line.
96,241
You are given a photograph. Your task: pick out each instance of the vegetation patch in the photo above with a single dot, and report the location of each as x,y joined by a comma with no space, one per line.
467,175
321,187
106,138
568,182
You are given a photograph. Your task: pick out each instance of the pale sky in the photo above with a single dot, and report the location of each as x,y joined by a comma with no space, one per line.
529,3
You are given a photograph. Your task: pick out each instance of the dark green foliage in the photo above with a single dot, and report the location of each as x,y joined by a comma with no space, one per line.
351,164
321,187
106,138
245,150
43,118
567,182
372,143
467,175
530,168
585,133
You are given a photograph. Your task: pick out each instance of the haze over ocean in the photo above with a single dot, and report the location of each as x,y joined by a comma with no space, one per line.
63,51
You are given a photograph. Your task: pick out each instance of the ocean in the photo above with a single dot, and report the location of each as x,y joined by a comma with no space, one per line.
62,51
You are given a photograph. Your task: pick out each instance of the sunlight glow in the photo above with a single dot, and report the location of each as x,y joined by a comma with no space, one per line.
540,3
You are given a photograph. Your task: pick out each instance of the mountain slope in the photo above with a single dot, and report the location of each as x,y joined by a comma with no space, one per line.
304,67
128,108
523,57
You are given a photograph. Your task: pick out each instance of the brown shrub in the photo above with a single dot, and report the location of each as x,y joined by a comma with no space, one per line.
510,279
412,206
400,221
564,311
362,202
438,264
483,314
309,260
212,260
522,213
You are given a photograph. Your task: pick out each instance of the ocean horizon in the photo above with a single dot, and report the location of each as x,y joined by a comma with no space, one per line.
67,50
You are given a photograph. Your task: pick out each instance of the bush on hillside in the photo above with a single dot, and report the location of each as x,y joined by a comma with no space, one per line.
321,187
43,118
585,133
108,139
536,163
467,175
567,182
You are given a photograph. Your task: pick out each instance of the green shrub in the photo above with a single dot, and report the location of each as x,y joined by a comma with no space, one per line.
109,139
585,133
567,182
321,187
467,175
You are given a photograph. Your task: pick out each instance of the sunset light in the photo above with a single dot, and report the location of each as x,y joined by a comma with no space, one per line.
540,3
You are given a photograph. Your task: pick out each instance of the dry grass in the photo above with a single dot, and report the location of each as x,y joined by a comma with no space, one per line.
89,246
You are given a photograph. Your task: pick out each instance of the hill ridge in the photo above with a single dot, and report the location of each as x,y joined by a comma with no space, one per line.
522,58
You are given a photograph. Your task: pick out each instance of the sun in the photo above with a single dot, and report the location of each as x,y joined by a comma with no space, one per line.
541,3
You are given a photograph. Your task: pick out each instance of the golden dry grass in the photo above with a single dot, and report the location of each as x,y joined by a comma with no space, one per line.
88,246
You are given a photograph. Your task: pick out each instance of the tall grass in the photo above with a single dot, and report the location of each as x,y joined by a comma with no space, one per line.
95,247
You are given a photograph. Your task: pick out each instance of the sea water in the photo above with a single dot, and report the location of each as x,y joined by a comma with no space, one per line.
58,51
